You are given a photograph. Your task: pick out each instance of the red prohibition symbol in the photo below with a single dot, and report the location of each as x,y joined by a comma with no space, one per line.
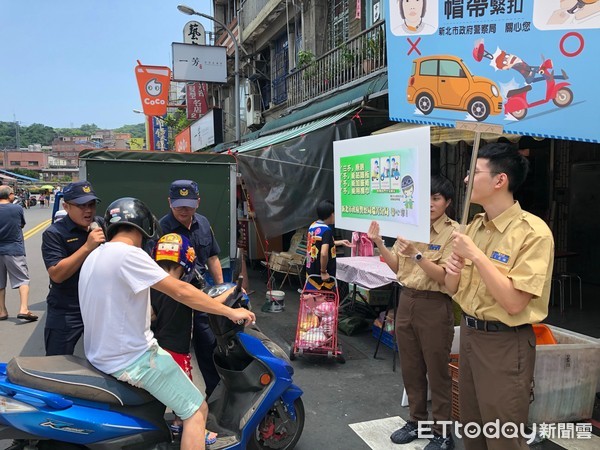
577,36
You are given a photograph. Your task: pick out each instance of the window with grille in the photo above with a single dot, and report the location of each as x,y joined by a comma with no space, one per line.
338,22
280,69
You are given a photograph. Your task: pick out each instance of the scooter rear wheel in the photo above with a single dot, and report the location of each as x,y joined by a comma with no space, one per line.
277,429
519,113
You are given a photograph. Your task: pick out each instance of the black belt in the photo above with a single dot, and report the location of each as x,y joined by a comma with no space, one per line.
490,325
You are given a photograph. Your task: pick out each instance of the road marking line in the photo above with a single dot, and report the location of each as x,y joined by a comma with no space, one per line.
37,228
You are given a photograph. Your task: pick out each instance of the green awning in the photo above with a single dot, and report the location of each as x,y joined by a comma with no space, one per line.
291,133
339,101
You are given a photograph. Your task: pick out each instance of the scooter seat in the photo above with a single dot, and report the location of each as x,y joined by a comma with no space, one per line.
518,91
74,377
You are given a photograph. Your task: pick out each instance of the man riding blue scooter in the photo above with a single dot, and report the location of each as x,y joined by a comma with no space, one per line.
65,399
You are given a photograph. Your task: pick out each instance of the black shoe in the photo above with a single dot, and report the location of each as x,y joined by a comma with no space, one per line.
438,442
406,434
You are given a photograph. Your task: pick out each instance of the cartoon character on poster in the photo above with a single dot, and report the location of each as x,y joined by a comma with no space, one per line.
385,173
562,14
408,17
395,178
408,190
375,174
519,99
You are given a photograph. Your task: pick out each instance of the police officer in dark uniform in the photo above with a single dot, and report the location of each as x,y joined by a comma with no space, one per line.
184,199
65,246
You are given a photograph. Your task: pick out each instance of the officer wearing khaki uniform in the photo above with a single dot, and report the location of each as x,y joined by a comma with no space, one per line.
424,318
500,271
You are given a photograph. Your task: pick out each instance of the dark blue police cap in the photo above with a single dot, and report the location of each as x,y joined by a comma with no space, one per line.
79,192
184,193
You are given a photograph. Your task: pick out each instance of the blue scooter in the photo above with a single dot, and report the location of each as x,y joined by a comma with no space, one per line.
64,403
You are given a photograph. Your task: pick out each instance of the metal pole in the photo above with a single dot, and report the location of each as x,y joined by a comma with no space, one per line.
467,205
236,97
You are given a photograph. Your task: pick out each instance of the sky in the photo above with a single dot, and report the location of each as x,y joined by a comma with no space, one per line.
65,63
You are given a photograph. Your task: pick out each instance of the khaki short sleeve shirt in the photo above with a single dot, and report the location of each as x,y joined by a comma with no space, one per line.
438,250
521,247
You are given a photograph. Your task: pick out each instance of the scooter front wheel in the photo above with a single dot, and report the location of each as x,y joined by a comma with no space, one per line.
563,97
278,429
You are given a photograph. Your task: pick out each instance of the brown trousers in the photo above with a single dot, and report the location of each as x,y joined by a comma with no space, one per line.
495,379
424,332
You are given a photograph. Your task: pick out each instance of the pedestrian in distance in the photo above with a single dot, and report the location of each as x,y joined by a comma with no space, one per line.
424,321
116,315
184,200
500,274
13,264
65,246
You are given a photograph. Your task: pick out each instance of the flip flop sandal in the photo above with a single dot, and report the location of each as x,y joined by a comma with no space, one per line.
208,440
178,429
28,317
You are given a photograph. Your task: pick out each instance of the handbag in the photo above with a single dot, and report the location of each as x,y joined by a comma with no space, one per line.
363,246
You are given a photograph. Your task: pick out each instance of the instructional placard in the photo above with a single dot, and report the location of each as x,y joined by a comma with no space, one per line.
384,178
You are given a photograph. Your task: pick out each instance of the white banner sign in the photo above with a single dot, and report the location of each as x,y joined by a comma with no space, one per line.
193,62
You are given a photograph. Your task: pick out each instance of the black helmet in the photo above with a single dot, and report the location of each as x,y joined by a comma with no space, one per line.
130,211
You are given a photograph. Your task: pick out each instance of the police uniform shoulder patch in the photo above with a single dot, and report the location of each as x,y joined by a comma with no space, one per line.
501,257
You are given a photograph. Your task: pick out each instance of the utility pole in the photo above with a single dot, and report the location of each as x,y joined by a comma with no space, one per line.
17,136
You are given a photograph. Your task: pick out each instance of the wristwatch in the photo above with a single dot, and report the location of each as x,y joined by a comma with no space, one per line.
418,257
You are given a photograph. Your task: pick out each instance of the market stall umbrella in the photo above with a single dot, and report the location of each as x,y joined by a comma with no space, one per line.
48,187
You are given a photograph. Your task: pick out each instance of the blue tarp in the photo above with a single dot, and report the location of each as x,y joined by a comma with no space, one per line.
19,176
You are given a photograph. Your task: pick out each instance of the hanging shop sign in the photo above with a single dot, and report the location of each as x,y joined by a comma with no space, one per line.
153,84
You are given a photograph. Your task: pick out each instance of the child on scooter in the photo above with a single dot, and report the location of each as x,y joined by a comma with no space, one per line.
171,320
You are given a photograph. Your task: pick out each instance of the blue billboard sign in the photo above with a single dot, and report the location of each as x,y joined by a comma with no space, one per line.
529,66
160,133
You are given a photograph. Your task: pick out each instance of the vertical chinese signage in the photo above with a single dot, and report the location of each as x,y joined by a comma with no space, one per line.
196,104
527,65
158,134
193,33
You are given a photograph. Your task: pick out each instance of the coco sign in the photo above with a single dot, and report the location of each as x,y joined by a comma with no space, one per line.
153,83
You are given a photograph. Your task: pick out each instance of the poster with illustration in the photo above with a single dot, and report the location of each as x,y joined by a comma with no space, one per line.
398,198
375,174
529,66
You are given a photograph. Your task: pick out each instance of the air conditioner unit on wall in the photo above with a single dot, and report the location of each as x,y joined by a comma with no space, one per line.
253,110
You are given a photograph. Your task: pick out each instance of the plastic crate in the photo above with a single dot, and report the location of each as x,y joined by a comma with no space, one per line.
387,339
566,378
453,369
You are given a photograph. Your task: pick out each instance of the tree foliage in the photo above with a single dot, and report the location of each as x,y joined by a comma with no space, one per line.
33,134
26,172
137,131
41,134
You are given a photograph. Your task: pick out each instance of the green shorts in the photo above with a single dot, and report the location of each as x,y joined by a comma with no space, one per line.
157,372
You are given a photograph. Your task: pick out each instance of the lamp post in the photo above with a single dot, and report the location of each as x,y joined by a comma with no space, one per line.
236,98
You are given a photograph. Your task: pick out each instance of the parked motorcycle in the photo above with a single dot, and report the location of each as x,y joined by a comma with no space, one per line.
517,103
64,403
